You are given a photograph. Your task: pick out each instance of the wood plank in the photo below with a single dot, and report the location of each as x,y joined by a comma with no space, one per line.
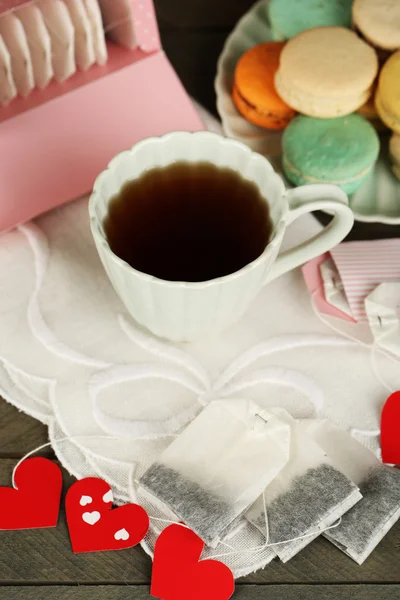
50,559
243,592
19,433
44,555
201,14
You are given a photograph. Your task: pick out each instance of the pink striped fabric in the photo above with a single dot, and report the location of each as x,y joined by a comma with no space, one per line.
363,266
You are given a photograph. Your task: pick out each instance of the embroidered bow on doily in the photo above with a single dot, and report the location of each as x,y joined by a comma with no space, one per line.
177,366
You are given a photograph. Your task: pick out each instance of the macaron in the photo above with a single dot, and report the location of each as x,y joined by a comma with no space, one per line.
290,17
394,149
369,112
254,92
379,22
341,151
387,97
326,72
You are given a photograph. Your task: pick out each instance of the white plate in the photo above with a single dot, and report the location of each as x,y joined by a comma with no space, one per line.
378,200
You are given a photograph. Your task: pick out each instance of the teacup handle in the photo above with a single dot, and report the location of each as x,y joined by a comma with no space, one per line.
309,198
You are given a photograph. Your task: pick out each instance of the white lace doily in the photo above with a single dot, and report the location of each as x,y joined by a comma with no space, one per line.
72,357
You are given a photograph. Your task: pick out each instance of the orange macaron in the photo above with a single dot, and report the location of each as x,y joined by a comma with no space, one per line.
254,92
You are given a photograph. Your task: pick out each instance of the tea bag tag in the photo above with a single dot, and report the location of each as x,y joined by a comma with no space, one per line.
333,287
383,311
266,423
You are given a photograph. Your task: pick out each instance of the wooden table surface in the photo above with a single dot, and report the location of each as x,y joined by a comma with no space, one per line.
39,565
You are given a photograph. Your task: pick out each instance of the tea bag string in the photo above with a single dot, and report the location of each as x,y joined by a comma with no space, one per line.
256,549
68,439
233,551
119,22
106,28
112,25
374,348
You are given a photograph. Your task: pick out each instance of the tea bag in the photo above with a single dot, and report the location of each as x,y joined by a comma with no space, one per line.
8,89
62,34
14,37
383,311
307,496
39,42
333,287
364,265
99,37
119,20
218,466
364,526
84,44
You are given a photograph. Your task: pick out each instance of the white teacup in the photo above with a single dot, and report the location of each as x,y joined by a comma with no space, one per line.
181,311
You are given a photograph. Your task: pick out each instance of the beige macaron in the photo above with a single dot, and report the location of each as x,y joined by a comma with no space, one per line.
394,148
326,72
379,22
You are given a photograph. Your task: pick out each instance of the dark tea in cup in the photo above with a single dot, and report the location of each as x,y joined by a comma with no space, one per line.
188,222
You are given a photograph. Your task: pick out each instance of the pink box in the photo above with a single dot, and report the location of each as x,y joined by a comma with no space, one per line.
55,142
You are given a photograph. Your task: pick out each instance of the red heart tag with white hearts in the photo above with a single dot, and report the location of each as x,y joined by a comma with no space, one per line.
94,527
179,574
390,430
34,503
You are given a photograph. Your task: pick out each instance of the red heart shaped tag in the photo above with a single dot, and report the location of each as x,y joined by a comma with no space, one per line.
94,527
179,574
34,503
390,430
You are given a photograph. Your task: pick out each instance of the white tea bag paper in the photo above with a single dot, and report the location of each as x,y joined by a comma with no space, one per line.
217,467
307,496
333,287
383,311
364,526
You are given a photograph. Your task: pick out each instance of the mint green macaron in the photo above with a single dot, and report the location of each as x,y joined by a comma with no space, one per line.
341,151
290,17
